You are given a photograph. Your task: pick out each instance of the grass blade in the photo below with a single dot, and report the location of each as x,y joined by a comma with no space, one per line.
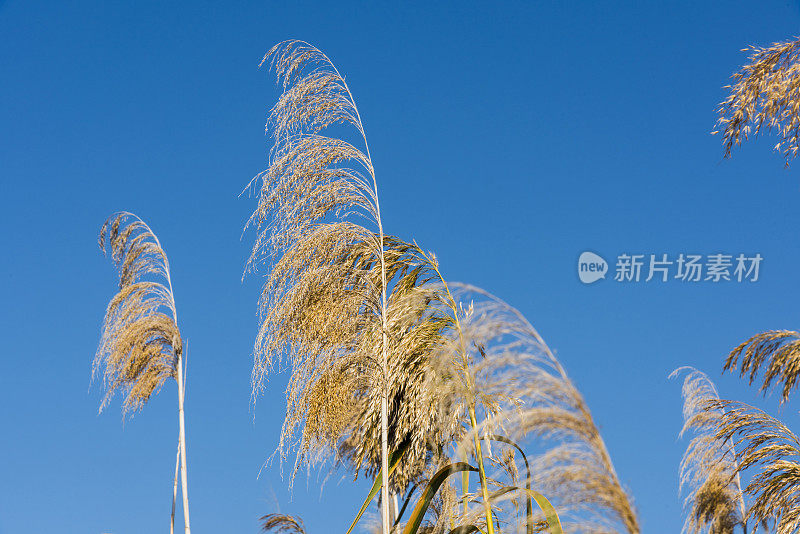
528,503
550,514
430,490
405,505
394,461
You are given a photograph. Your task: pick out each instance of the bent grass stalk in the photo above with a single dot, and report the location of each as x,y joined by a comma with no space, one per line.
526,393
764,97
140,344
305,183
454,309
708,469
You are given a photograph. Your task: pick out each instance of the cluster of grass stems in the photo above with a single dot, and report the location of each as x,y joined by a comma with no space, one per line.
741,469
433,390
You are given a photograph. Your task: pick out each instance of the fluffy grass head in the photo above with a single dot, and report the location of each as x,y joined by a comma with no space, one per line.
776,353
282,524
321,310
316,191
415,331
314,172
325,315
771,451
709,472
764,96
496,361
140,339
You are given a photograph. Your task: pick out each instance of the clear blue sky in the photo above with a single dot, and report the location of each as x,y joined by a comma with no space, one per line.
507,139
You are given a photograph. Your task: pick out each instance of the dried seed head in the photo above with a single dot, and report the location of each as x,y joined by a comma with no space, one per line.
708,472
766,445
765,95
321,306
140,338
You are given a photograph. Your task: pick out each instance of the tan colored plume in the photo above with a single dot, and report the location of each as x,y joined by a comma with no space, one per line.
140,344
316,193
709,471
521,391
765,96
768,447
283,524
776,353
140,336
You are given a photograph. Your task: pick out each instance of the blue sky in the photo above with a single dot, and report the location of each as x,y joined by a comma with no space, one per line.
508,139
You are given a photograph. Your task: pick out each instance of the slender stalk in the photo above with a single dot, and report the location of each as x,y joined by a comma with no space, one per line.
181,455
487,506
393,510
139,323
182,440
465,482
175,487
478,452
384,327
384,320
384,404
384,459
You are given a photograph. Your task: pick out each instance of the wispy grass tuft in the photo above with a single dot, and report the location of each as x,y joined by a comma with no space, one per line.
518,389
140,337
283,524
776,353
767,445
709,470
140,345
314,199
765,95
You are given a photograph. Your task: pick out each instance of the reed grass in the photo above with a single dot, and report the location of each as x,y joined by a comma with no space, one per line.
709,471
764,444
764,97
776,353
282,524
315,192
518,389
368,320
140,336
140,344
768,446
735,440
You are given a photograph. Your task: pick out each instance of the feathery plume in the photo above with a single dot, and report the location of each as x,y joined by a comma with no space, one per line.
414,330
140,344
776,352
708,470
283,524
315,188
764,443
520,390
765,95
140,337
